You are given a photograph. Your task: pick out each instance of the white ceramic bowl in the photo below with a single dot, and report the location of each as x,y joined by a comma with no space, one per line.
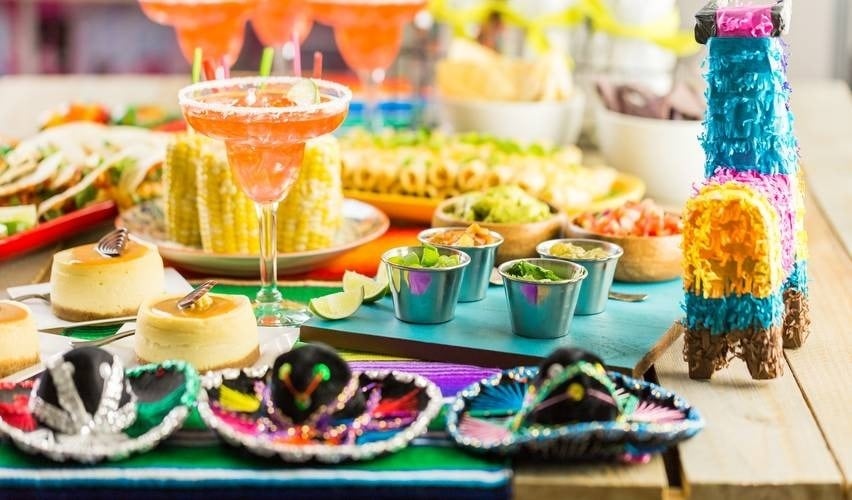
554,122
666,154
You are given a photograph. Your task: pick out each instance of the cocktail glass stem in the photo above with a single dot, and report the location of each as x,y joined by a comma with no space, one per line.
371,83
268,309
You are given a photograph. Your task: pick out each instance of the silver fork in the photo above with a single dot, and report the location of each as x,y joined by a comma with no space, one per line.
45,296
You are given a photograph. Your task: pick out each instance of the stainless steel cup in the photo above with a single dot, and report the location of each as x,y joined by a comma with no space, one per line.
543,309
595,291
424,294
474,283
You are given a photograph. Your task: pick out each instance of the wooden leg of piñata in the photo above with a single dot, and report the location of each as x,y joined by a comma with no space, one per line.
763,350
705,353
797,318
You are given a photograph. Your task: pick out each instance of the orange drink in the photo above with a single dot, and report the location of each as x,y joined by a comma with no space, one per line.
264,146
215,26
284,25
369,35
368,32
278,22
264,123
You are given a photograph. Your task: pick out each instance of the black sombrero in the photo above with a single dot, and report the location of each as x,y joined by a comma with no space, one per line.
310,406
87,407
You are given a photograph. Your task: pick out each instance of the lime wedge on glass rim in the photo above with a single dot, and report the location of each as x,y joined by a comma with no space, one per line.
373,289
304,92
337,305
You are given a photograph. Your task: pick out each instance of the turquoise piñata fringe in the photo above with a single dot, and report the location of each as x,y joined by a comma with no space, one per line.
798,278
721,316
748,124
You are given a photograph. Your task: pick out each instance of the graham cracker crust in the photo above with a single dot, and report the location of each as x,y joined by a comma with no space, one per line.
244,362
10,366
75,315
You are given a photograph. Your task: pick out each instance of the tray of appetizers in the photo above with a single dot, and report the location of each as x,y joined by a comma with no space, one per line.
39,235
407,174
70,176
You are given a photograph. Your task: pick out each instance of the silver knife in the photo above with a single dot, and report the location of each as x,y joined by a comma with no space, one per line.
94,322
25,374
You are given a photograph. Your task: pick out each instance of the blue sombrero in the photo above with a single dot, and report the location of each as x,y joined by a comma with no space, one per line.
572,410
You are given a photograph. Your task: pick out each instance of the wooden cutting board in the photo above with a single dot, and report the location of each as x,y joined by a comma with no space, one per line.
627,336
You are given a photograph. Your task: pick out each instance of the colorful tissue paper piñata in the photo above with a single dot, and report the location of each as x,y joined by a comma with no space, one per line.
744,243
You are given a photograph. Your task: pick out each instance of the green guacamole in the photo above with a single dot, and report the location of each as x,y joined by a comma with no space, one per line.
502,204
532,272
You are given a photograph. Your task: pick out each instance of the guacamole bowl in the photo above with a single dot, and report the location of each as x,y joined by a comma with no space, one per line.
519,238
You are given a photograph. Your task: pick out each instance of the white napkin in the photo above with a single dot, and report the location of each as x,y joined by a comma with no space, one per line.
175,283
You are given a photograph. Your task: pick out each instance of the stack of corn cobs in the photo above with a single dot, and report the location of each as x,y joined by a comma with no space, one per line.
205,208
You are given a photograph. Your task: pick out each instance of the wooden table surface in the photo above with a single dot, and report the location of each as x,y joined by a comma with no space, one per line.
786,438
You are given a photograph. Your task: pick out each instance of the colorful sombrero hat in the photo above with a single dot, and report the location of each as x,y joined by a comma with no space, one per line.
311,406
570,408
87,408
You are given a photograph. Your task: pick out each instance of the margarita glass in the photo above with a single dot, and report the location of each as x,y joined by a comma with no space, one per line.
283,24
217,27
264,132
369,35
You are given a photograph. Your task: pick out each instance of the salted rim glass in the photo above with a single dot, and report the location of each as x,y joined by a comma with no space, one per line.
268,305
339,94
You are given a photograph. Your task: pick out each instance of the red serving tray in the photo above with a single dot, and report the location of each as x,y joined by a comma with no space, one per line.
56,229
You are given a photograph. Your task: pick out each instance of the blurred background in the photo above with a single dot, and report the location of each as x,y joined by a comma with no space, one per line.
114,36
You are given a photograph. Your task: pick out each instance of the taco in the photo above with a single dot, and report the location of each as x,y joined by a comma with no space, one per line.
69,166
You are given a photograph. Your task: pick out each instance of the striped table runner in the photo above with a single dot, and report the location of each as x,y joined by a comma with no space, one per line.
431,468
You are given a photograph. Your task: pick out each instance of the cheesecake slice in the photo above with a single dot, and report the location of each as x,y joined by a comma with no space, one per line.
85,285
18,338
219,331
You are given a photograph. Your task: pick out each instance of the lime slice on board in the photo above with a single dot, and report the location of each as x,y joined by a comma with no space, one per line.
304,92
373,290
337,305
382,273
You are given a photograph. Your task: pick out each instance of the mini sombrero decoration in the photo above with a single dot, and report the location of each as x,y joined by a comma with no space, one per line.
570,408
310,406
86,407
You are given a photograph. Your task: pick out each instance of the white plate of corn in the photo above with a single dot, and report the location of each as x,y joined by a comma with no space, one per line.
360,224
205,223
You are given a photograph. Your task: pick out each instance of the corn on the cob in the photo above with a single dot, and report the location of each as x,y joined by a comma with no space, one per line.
226,216
312,213
179,206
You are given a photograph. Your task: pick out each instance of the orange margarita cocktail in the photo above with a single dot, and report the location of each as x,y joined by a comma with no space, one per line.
368,32
279,22
264,123
215,26
369,35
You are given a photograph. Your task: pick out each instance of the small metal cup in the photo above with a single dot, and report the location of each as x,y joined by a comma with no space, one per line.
595,291
424,294
543,309
474,285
